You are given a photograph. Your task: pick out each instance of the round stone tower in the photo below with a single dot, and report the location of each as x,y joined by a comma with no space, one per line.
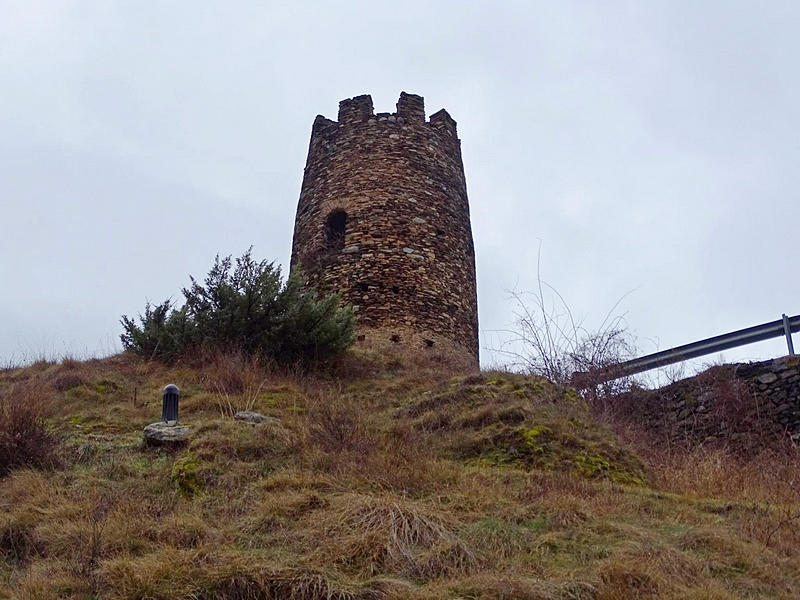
383,219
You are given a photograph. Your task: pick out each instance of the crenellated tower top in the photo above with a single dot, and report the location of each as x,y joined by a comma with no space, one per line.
410,109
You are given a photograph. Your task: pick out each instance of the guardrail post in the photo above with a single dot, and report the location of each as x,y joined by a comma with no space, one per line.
788,331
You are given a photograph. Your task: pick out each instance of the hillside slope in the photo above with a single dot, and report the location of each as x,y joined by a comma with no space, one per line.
384,483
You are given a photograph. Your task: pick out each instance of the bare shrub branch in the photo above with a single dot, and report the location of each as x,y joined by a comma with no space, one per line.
548,340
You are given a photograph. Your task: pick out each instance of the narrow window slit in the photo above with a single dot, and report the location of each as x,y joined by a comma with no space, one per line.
335,229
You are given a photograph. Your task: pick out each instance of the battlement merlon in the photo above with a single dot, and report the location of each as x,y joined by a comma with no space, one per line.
411,108
443,122
321,126
355,110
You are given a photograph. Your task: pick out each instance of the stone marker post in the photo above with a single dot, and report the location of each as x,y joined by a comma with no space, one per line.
169,404
167,432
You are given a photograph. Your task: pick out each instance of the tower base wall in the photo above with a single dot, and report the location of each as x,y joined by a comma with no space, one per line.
418,346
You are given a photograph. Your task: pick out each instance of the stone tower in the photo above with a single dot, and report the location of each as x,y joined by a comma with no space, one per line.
383,219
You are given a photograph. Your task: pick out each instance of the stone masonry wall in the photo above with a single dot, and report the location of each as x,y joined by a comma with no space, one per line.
744,404
383,218
776,384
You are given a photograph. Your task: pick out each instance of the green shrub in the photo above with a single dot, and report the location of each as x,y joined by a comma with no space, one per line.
246,307
164,333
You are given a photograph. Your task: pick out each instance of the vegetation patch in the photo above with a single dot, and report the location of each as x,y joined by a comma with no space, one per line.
376,535
215,574
403,485
498,538
25,436
18,541
186,475
246,307
523,422
68,381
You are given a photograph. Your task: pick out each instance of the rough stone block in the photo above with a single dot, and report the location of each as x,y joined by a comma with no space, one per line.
161,434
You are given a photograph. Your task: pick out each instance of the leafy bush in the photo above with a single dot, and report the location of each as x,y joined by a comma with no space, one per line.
25,440
246,307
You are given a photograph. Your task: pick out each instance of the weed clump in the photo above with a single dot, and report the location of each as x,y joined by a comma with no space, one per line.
18,541
337,427
25,440
388,534
67,381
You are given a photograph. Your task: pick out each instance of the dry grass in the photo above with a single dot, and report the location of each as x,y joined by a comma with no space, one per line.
238,380
387,534
336,423
210,574
392,482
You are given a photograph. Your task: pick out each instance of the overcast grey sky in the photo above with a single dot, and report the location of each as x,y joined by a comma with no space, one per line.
649,146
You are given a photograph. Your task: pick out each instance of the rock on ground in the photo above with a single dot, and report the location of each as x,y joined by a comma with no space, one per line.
249,416
161,434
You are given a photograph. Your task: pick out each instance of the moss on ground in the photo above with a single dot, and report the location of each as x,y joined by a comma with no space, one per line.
186,475
510,420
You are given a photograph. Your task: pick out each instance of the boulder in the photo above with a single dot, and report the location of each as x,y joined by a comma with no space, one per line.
162,434
249,416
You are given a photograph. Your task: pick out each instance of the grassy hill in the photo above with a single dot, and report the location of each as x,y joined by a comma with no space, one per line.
384,481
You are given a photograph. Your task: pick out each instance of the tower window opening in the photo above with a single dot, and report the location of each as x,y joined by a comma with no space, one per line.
335,228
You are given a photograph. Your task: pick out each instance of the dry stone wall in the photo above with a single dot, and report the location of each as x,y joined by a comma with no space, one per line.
747,405
383,218
776,384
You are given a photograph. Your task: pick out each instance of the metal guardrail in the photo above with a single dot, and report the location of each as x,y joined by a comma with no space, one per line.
785,326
